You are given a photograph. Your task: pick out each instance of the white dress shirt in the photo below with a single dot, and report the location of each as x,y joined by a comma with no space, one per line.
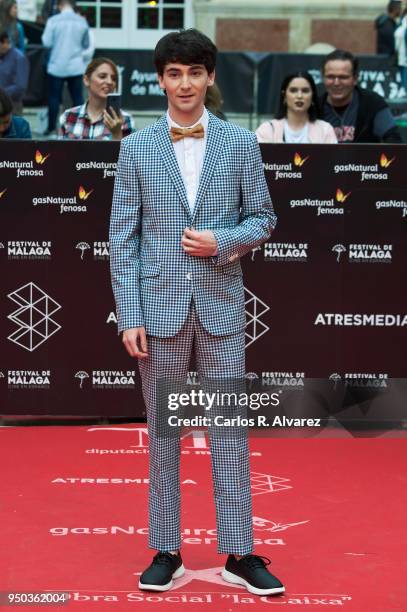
190,154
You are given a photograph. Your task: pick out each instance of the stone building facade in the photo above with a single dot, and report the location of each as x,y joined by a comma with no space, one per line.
289,25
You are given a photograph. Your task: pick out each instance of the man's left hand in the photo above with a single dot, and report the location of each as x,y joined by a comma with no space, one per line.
199,244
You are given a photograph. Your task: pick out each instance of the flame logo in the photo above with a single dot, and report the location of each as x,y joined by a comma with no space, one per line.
299,161
3,192
385,162
340,196
83,194
39,157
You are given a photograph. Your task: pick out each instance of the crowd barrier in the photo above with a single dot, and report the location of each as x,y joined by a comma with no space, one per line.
325,296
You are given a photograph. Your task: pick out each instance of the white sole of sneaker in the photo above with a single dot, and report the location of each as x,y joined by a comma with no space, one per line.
162,587
229,577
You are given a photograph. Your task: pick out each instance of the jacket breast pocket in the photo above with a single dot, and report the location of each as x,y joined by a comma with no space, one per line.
226,173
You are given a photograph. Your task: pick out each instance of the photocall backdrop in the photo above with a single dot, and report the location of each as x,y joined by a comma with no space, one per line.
325,296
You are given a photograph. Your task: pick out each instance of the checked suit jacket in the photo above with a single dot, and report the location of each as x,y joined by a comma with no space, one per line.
153,279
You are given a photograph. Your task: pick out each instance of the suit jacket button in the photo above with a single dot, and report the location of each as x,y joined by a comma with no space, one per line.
189,276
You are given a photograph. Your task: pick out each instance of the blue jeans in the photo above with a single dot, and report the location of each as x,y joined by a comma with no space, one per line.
403,72
55,87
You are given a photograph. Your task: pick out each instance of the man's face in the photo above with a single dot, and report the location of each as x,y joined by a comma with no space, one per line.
396,12
186,88
339,81
4,47
5,122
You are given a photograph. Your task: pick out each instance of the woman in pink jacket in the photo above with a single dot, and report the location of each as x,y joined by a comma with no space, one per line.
297,118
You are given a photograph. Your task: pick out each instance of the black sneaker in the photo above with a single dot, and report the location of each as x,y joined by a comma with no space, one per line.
251,572
158,576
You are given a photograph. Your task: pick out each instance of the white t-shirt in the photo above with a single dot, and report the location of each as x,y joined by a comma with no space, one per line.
296,136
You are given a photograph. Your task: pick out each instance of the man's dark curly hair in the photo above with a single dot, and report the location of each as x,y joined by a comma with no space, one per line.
188,47
343,56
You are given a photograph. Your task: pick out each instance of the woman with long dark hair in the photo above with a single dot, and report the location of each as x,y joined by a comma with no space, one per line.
297,120
9,23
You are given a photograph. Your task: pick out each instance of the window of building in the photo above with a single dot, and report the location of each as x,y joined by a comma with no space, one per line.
160,14
150,14
102,13
134,23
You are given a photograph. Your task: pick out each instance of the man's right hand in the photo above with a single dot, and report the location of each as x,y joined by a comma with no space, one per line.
135,341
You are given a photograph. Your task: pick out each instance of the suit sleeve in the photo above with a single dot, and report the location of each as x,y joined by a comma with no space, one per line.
257,217
124,236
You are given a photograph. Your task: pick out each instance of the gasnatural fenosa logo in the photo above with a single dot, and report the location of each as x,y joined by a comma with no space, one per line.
384,162
324,207
286,171
340,196
83,194
27,168
66,203
40,158
299,161
368,172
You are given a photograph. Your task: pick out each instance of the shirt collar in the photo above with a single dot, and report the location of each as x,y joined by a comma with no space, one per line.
204,120
83,112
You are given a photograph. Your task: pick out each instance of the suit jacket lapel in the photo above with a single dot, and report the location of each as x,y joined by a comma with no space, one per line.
166,149
214,146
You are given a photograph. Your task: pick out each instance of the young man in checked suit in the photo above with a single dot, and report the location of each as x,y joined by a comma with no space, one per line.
190,199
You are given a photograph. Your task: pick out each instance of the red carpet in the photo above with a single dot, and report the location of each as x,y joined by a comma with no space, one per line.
330,513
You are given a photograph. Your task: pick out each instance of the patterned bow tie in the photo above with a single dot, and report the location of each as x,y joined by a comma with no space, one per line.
179,133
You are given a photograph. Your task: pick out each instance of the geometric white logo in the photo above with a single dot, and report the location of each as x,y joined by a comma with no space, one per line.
266,483
255,309
33,317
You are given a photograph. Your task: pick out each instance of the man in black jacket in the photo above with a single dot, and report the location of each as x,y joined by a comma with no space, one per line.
386,25
357,115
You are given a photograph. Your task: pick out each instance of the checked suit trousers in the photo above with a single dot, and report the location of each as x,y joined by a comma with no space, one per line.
216,357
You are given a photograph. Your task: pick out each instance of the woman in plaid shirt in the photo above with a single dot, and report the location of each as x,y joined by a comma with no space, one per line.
91,121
